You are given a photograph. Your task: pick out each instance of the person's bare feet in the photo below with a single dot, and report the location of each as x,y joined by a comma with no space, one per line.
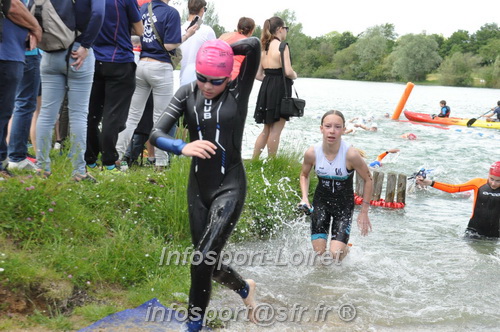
249,301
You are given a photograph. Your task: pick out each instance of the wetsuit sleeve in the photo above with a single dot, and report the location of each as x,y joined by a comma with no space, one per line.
167,120
473,184
382,156
250,48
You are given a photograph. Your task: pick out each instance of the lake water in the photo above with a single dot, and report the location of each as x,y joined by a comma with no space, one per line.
414,272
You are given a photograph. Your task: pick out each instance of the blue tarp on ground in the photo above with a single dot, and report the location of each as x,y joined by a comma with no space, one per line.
140,319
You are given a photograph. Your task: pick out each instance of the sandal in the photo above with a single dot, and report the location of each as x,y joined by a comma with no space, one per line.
84,177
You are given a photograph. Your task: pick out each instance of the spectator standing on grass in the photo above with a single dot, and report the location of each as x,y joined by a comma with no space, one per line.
192,45
244,29
25,106
74,68
272,89
16,25
154,71
114,82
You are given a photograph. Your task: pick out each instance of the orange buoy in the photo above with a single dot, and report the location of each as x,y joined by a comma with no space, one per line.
402,101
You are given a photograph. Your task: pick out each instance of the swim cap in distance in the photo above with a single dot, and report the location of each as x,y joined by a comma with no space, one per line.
375,164
495,169
412,136
215,58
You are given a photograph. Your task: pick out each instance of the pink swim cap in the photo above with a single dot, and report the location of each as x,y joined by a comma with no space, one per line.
215,58
412,136
495,169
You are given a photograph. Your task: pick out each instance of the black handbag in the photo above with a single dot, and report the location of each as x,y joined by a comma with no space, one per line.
290,106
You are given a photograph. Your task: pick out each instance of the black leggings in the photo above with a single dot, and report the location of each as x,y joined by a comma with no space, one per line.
213,214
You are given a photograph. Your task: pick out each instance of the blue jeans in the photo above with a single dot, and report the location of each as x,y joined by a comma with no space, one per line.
11,73
27,92
56,73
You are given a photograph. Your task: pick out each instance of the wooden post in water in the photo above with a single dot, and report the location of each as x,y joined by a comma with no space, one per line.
378,183
401,198
390,189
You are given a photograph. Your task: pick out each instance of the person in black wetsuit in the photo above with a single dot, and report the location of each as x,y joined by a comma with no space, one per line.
214,109
485,219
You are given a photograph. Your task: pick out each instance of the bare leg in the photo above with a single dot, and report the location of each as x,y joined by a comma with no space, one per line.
33,122
261,141
338,250
249,301
274,137
7,139
319,246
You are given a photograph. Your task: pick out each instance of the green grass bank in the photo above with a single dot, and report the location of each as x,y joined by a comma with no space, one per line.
73,253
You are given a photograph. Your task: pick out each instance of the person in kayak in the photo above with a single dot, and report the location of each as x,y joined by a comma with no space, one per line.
494,111
445,110
215,109
485,219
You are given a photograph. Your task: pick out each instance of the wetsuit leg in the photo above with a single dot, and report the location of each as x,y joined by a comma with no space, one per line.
320,220
342,219
213,216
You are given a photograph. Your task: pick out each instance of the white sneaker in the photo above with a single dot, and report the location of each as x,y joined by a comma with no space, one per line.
23,164
57,146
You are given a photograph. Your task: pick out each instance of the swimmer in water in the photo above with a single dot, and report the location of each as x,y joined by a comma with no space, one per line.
485,219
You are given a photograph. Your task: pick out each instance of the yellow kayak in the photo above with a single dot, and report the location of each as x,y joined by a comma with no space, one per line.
422,117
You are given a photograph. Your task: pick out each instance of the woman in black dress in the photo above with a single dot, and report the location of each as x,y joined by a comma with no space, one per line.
272,89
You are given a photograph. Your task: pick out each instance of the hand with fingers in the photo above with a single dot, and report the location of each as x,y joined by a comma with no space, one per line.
199,148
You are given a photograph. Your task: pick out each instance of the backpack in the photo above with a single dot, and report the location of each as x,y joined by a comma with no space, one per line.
58,22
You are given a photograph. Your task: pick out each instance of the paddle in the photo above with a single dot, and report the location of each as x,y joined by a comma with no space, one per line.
471,121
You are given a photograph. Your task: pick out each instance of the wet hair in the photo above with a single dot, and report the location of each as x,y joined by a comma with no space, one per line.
335,112
498,103
443,102
246,25
194,6
271,25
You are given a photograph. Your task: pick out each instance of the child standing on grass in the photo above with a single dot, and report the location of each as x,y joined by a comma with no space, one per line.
334,162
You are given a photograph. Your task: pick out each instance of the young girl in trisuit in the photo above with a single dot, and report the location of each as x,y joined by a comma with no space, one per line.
334,162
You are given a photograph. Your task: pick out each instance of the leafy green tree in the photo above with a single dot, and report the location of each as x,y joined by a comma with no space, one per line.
485,35
414,57
490,51
457,69
371,48
459,41
345,63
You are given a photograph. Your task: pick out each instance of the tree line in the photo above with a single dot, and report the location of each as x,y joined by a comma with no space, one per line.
379,54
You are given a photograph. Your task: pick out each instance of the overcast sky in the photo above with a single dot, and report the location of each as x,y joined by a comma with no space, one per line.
319,17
